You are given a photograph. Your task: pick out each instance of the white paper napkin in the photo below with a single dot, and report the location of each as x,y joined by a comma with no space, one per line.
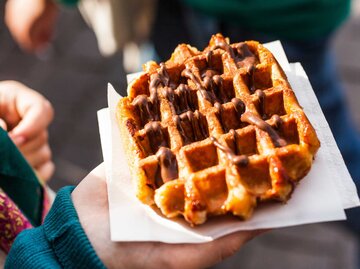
321,196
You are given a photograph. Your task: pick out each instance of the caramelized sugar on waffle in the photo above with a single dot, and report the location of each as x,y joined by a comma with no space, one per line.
215,132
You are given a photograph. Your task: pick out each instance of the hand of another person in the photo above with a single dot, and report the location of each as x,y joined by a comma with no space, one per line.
90,201
26,114
31,23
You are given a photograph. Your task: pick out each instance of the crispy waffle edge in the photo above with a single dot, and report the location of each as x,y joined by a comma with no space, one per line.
292,162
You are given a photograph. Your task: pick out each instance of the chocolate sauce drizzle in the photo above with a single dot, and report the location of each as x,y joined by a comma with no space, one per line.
219,111
261,124
169,94
191,126
180,127
155,135
185,99
277,120
239,106
213,85
182,98
220,44
212,79
242,54
164,75
209,73
234,135
241,160
155,81
251,73
261,96
168,166
188,74
209,56
149,107
205,94
145,109
245,58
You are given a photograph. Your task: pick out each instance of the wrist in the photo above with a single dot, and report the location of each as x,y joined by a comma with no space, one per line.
66,235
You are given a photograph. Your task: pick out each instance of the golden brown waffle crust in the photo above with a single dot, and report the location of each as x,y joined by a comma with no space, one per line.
215,132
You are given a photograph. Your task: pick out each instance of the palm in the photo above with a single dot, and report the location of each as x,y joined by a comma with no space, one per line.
90,200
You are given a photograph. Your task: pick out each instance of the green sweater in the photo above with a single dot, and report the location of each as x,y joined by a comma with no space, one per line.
19,181
59,243
293,19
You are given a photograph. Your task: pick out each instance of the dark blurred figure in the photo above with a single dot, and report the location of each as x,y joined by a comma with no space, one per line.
304,27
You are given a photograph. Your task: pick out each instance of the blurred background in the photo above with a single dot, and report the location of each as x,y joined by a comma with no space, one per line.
73,74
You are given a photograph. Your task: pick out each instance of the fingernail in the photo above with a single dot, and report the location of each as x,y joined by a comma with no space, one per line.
18,140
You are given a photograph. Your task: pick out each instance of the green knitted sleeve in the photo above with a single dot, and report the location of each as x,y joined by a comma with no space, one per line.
19,181
59,243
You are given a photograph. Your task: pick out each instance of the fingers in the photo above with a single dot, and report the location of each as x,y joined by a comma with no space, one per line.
227,246
38,154
26,112
39,157
90,201
41,162
36,114
45,171
34,144
207,254
27,115
230,244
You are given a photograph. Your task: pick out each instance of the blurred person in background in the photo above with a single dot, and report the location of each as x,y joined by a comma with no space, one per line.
31,24
119,25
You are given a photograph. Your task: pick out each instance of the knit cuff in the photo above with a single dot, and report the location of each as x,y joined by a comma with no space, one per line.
66,235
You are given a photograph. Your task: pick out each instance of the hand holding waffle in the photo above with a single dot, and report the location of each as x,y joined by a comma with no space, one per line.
215,132
91,203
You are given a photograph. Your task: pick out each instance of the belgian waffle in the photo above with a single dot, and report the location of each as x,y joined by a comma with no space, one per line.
215,132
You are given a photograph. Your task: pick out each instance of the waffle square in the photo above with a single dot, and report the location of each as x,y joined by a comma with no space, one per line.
215,132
